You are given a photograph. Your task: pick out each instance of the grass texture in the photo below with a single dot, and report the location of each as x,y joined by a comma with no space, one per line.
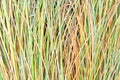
60,40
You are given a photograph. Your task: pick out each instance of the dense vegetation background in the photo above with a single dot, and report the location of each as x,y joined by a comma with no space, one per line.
60,40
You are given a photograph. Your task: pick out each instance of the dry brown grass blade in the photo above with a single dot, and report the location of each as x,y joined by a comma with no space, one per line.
75,73
110,22
82,30
111,13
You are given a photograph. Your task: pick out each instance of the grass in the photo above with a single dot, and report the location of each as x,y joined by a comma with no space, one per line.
60,40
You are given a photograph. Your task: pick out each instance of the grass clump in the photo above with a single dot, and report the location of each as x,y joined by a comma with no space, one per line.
60,39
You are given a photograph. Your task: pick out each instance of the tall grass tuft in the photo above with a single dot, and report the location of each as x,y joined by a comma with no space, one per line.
59,39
